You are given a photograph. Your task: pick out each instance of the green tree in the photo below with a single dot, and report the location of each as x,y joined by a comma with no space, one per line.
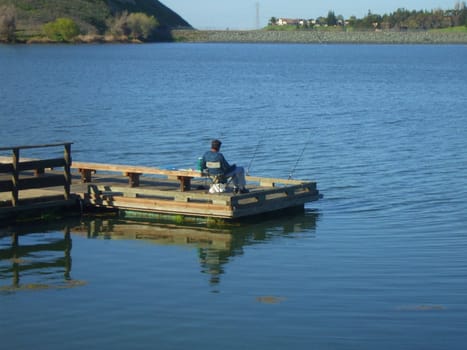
352,21
136,25
119,25
463,14
62,29
272,21
7,23
321,21
371,21
331,19
141,25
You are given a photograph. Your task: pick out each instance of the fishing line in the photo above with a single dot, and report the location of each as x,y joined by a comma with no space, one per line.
300,156
255,151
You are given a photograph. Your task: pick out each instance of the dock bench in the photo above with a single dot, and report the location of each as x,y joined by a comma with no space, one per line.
134,172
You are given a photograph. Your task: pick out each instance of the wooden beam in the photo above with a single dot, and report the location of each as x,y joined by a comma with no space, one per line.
41,164
122,168
6,185
41,182
142,192
36,146
163,206
6,168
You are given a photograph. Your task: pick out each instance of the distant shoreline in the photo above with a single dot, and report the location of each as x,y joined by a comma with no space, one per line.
272,36
319,37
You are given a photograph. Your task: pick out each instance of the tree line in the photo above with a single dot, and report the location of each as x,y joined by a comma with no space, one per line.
7,23
125,26
401,19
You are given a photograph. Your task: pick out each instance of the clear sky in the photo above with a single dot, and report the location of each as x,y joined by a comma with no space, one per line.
242,14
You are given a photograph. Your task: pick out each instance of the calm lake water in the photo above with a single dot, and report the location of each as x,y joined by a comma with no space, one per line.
379,263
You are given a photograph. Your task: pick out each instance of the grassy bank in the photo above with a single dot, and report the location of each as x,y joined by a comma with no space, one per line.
321,37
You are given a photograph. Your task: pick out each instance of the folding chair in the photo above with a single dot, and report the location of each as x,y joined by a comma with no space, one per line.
219,181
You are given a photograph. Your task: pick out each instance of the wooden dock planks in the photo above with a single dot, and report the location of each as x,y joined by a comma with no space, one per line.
142,189
200,203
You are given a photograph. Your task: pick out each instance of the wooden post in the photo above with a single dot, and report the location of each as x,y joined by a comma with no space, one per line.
133,179
185,183
15,177
67,171
86,175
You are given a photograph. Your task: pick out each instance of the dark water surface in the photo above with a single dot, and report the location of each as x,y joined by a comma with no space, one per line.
380,262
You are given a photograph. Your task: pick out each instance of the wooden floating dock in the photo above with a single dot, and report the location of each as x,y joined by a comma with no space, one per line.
137,190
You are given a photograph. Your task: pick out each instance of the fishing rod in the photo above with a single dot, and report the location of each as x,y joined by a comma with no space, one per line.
255,151
300,156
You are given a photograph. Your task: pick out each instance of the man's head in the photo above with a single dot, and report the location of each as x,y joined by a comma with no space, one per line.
216,145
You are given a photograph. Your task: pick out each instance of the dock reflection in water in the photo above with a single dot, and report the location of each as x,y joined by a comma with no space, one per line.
216,246
31,260
39,257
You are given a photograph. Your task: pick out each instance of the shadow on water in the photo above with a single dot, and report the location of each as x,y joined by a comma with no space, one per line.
31,255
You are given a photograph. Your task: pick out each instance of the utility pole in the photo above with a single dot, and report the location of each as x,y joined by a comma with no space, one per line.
257,15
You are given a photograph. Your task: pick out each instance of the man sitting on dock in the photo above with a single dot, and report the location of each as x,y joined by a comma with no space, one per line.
237,173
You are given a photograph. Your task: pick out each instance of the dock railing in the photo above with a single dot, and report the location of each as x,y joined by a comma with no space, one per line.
16,167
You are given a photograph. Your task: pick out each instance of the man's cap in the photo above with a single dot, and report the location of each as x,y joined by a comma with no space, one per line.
216,144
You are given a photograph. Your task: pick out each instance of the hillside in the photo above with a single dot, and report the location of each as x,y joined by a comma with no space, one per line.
90,15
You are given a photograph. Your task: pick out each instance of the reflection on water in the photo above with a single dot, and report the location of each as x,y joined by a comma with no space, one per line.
30,260
216,246
40,257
